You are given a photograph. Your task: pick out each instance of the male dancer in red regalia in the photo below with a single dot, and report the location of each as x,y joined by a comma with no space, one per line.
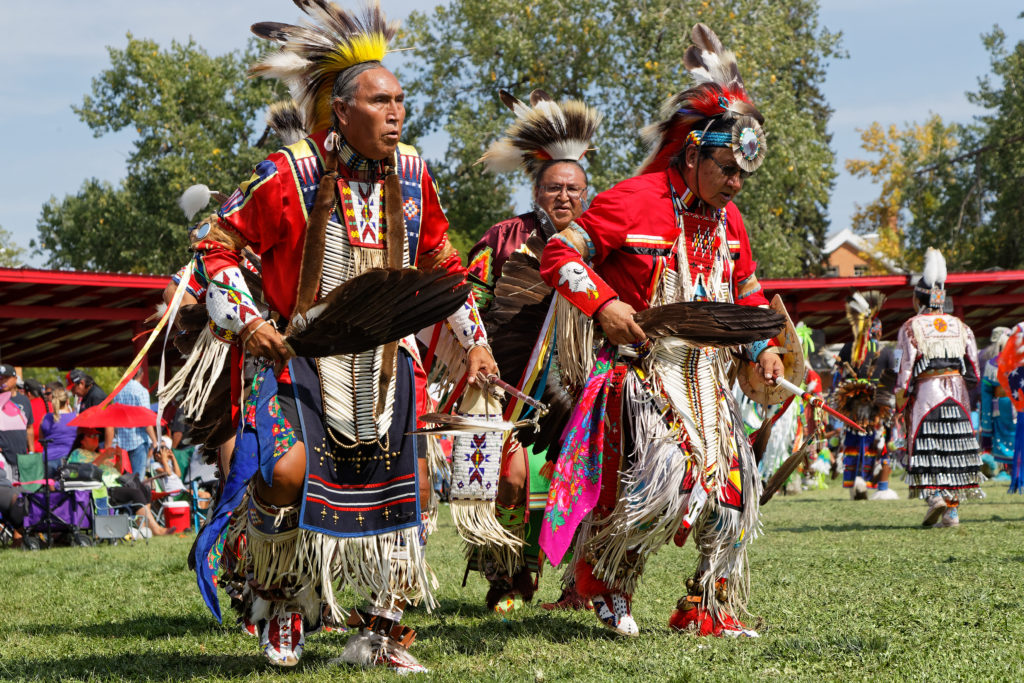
674,456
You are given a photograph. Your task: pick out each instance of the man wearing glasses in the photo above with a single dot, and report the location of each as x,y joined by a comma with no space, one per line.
547,141
675,461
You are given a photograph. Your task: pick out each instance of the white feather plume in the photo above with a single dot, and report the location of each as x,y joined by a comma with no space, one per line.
860,303
285,66
547,130
194,199
934,268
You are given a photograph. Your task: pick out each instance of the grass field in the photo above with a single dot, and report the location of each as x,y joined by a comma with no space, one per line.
842,590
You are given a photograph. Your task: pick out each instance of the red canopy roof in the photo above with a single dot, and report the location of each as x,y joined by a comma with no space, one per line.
66,318
982,300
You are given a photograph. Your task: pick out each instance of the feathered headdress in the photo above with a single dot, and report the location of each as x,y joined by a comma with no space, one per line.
866,402
718,94
312,55
862,311
543,131
933,281
285,119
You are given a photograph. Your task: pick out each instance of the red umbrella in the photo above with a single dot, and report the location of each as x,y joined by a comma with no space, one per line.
115,415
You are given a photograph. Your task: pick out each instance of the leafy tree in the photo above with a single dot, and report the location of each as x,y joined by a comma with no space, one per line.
998,169
925,198
953,186
196,120
625,58
10,253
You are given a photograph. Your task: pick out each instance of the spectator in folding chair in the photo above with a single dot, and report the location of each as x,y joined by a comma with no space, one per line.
54,430
11,511
121,489
167,471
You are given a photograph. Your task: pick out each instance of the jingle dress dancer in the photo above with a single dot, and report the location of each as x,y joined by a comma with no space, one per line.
938,363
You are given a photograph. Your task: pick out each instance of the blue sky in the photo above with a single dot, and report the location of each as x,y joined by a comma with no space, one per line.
907,58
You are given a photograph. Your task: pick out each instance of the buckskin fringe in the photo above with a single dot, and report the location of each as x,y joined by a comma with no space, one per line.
439,470
651,501
724,533
384,569
575,344
203,366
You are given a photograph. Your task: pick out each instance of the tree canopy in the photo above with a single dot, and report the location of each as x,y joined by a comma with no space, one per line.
11,255
197,121
624,58
950,185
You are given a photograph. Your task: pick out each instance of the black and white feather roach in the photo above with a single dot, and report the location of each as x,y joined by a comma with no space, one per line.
544,130
286,121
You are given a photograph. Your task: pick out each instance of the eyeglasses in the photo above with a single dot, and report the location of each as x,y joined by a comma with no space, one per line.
572,191
47,393
731,171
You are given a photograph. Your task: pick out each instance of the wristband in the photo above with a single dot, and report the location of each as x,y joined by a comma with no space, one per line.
250,333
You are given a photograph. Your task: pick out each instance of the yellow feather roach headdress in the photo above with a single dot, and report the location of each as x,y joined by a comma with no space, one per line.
312,55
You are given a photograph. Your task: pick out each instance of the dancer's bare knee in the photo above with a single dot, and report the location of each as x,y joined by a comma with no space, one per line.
289,476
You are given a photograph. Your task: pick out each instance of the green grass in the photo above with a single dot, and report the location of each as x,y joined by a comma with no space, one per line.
841,589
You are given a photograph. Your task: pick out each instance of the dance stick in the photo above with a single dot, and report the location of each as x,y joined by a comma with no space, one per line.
816,401
542,409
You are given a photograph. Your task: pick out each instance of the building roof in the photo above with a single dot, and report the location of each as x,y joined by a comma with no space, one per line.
844,236
862,244
982,300
66,318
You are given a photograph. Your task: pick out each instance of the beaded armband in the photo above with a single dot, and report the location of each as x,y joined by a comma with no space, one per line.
578,238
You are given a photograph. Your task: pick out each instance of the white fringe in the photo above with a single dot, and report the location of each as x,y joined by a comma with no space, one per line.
478,526
723,535
575,343
651,502
934,344
472,502
201,369
438,468
449,360
385,569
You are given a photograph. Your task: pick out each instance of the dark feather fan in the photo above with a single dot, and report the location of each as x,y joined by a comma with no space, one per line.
711,323
516,316
521,302
375,308
787,468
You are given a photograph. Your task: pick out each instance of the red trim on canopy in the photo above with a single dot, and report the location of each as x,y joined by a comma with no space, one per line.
68,318
981,299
